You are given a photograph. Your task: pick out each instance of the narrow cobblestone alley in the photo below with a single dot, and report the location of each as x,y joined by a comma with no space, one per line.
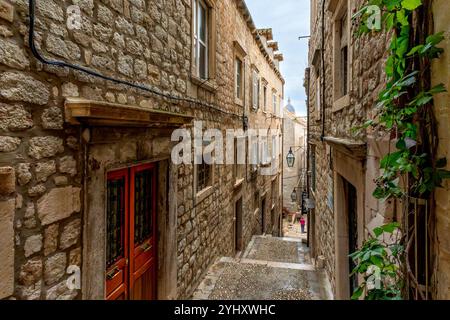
270,269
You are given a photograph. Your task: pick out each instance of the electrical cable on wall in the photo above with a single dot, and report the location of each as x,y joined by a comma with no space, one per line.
64,64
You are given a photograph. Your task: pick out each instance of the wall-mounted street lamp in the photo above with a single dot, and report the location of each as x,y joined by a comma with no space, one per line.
294,195
290,158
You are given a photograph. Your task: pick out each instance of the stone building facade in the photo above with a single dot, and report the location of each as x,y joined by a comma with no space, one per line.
81,155
294,138
345,77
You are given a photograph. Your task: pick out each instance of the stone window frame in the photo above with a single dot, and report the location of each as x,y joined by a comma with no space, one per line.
340,9
201,195
207,83
239,54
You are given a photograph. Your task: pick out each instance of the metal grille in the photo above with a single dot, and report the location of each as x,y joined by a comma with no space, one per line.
143,202
420,265
203,176
115,220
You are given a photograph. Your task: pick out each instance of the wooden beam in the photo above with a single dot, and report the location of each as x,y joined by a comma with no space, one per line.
99,113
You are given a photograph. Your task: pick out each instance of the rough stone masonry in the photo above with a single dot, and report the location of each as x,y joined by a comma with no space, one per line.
52,171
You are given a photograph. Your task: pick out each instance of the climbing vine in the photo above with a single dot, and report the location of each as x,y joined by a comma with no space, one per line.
379,260
404,112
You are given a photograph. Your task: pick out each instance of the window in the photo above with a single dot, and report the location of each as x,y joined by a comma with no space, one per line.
344,55
341,66
255,153
201,43
204,175
255,90
238,78
274,103
313,168
318,99
238,165
265,97
256,200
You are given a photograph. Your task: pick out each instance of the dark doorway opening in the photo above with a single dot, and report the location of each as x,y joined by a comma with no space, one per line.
263,215
238,225
352,202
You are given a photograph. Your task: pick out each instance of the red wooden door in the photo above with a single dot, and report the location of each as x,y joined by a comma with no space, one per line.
143,233
117,236
136,279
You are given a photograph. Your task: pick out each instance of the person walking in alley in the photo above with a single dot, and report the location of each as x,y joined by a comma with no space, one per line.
302,223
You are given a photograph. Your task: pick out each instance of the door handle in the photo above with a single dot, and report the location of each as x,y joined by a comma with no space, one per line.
146,247
110,275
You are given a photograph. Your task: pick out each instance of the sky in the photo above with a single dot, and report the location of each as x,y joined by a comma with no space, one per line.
288,19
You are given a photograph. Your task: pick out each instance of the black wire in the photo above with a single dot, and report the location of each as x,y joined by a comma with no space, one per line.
64,64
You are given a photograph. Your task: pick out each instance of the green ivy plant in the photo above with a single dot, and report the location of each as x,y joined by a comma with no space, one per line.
378,261
404,110
399,106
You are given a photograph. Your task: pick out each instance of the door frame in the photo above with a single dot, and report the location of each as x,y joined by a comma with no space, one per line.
351,170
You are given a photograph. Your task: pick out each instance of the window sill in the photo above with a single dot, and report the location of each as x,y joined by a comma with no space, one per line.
341,103
202,195
238,183
209,85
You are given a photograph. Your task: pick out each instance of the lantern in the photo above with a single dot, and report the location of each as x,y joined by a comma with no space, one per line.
290,158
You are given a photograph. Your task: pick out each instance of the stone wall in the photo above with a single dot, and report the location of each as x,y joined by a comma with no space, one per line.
44,212
440,74
366,79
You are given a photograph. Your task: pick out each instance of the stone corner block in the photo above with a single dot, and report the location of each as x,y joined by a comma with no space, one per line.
6,11
58,204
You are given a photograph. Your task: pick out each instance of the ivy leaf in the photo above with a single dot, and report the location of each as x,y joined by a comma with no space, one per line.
391,227
438,89
378,231
377,260
411,4
358,293
435,39
415,50
444,174
402,18
441,163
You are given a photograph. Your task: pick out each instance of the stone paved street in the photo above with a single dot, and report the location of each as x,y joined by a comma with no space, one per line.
270,269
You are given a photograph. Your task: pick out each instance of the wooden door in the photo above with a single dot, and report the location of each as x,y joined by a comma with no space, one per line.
117,236
131,234
143,233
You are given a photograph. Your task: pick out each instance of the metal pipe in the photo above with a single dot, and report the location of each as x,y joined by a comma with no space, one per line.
323,71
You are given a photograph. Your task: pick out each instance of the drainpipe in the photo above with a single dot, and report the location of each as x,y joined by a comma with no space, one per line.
323,71
308,76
